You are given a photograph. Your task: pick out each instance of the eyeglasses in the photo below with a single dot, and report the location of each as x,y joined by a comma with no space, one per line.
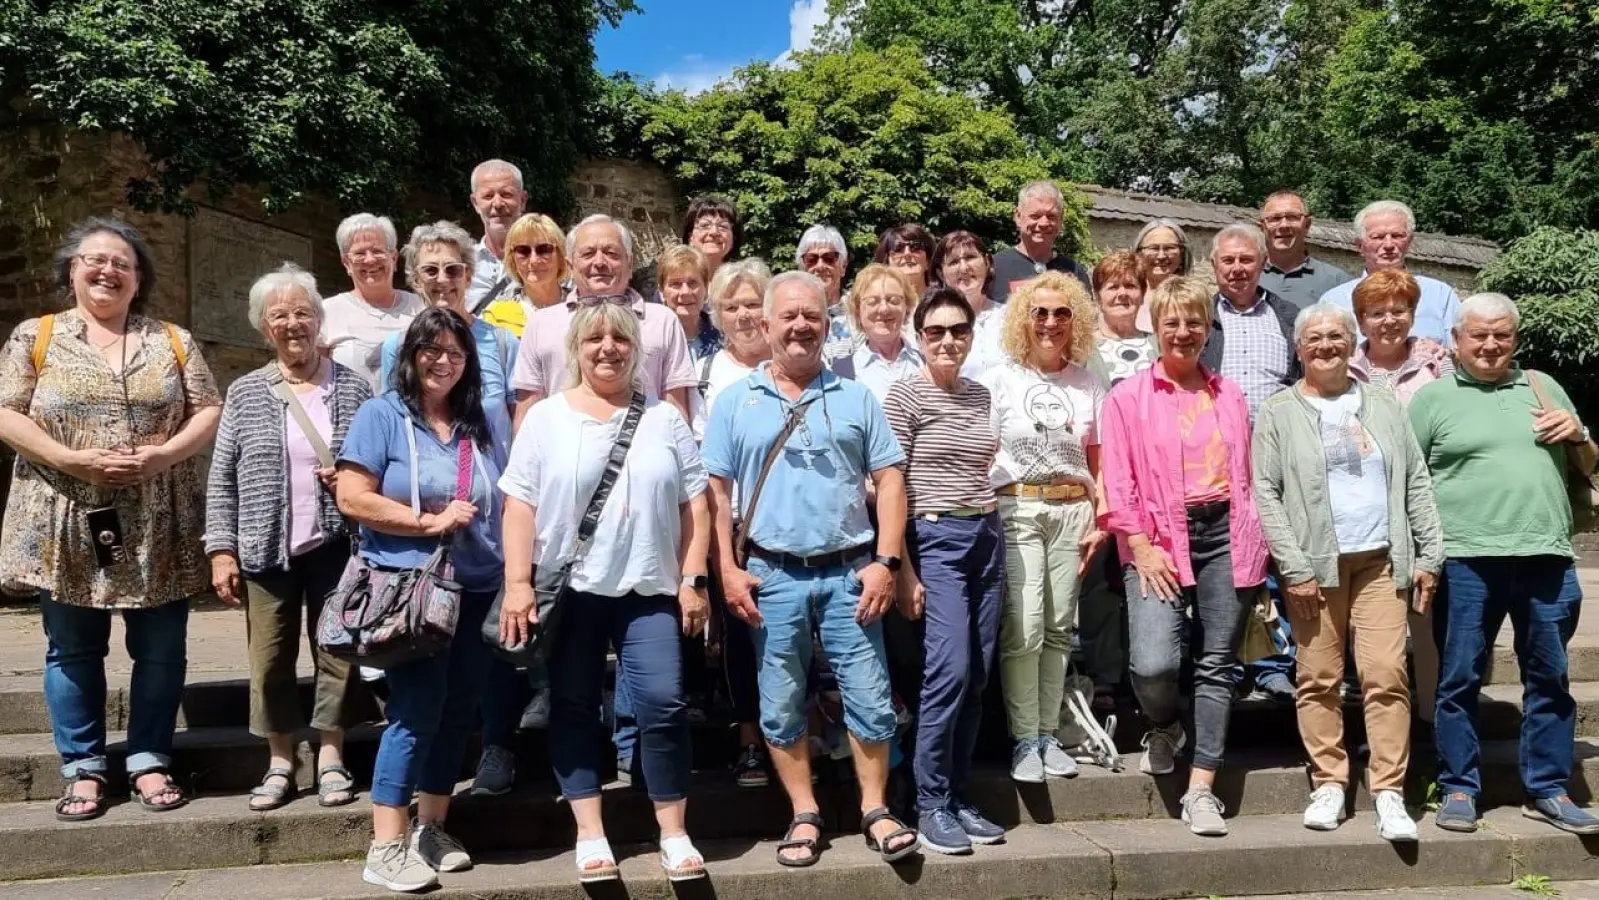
450,271
542,251
285,316
1388,315
368,255
934,334
1325,340
1161,249
100,261
1284,219
432,353
829,257
1058,314
712,226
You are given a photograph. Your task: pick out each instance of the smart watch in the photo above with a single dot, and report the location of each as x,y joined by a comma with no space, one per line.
891,562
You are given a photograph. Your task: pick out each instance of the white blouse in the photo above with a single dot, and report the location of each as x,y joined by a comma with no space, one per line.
556,462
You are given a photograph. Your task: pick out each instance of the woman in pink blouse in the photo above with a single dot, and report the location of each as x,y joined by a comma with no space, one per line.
1175,457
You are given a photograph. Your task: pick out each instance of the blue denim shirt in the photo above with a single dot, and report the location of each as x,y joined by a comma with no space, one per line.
1435,311
377,443
496,356
814,500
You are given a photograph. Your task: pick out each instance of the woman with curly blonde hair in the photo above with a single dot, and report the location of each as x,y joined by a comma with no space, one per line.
1046,413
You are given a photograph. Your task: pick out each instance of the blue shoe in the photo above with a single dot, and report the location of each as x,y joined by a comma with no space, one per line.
1459,813
979,829
1563,814
1276,687
941,833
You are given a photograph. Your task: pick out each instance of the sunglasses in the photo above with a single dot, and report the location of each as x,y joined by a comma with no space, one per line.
452,271
903,249
935,333
811,259
542,251
1058,314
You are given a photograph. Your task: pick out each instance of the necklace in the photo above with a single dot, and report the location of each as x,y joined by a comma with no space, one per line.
291,379
107,345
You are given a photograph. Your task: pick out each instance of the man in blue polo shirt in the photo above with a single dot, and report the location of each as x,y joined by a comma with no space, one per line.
814,561
1384,231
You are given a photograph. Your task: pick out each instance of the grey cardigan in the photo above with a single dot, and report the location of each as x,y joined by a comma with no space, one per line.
1291,488
247,495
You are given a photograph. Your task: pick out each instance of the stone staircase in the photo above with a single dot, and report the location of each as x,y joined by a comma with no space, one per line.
1100,835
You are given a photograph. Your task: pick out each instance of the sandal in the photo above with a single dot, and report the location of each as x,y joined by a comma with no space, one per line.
594,850
169,789
895,855
97,804
345,784
812,846
675,855
276,794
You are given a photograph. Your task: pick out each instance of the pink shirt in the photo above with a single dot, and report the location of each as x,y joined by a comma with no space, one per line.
1204,451
305,531
665,365
1143,471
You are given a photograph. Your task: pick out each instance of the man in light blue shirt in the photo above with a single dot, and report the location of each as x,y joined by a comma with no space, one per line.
814,561
1385,230
499,198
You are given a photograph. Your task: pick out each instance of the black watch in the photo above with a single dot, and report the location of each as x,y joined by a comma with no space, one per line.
891,562
697,582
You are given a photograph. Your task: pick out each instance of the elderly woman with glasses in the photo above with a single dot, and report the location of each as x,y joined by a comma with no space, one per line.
535,261
1163,246
878,306
908,248
357,322
822,252
274,533
1348,510
1046,412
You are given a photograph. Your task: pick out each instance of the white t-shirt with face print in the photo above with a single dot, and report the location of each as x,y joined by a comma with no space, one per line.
1045,423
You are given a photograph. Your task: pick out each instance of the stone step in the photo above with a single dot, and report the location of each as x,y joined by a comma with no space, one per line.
130,839
1086,861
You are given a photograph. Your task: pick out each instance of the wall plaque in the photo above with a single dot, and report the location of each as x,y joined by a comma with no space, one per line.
227,253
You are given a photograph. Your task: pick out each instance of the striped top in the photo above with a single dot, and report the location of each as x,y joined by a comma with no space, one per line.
949,443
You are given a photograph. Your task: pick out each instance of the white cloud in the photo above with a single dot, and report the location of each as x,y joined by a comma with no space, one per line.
694,74
805,19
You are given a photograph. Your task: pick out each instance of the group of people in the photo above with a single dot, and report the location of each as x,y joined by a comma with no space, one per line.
890,490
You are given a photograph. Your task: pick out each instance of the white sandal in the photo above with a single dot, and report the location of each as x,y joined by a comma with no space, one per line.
675,852
596,850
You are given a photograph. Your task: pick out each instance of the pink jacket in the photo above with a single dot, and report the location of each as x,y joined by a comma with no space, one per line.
1428,361
1142,465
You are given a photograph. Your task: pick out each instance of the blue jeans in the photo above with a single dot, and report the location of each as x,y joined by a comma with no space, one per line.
1283,662
77,641
1541,596
961,562
649,666
433,706
793,600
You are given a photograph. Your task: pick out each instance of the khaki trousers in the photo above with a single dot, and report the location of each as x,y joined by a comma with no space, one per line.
278,607
1367,600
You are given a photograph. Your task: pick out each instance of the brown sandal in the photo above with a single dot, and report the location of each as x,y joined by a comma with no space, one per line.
97,804
169,789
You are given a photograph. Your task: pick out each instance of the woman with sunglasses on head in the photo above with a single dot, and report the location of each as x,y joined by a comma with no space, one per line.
908,248
954,571
535,261
1046,411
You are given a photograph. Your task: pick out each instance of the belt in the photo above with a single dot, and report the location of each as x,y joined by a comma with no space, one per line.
819,561
959,512
1208,509
1069,491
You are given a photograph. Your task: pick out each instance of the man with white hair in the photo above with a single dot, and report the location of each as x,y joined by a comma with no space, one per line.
1383,234
1252,341
1039,210
600,252
798,443
498,197
1501,442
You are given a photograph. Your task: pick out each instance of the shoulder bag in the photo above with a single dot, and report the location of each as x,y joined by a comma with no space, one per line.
741,535
552,583
383,617
1580,489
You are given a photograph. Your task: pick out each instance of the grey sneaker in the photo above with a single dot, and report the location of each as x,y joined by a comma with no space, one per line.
536,715
1057,761
1026,765
438,849
396,866
1160,750
1202,813
496,772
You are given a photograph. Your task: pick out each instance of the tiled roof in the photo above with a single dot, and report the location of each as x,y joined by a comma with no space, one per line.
1134,207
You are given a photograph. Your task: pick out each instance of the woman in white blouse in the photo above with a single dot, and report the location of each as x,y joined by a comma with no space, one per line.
641,581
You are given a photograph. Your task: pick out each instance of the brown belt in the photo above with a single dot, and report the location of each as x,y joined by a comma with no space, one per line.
1067,492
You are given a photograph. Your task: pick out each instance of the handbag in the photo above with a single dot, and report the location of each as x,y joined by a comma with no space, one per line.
381,617
1580,489
1263,630
551,583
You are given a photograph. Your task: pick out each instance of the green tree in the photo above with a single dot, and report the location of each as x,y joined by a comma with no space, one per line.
860,140
355,99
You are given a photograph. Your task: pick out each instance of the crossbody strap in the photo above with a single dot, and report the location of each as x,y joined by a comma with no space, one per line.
285,392
796,414
613,470
493,294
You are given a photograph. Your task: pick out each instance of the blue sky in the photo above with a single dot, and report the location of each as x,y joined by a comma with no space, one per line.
689,44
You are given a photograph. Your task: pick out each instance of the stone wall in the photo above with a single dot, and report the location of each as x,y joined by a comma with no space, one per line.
640,195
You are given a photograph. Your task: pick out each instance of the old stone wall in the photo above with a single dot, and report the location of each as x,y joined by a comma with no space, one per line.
640,195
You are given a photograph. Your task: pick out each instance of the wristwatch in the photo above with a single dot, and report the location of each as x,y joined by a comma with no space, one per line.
1584,437
697,582
891,562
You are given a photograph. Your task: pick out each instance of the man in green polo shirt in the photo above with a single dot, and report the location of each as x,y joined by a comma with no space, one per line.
1497,439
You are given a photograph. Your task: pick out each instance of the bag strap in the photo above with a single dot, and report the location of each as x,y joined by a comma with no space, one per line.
285,393
493,295
176,341
741,540
416,484
613,470
463,468
41,343
705,373
1539,392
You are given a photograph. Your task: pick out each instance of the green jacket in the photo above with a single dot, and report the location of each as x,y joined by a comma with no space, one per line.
1291,489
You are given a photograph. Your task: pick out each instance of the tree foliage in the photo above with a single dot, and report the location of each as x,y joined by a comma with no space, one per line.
860,140
355,99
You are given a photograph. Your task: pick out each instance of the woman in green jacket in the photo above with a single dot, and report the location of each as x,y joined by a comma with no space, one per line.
1348,510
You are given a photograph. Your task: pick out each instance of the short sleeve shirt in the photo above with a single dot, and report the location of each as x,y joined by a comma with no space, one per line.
1045,423
354,330
1304,285
665,365
949,443
496,354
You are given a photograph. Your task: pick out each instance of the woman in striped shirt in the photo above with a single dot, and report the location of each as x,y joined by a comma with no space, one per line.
955,572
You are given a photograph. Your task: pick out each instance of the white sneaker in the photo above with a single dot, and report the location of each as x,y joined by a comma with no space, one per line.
1160,750
396,866
436,847
1326,809
1393,820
